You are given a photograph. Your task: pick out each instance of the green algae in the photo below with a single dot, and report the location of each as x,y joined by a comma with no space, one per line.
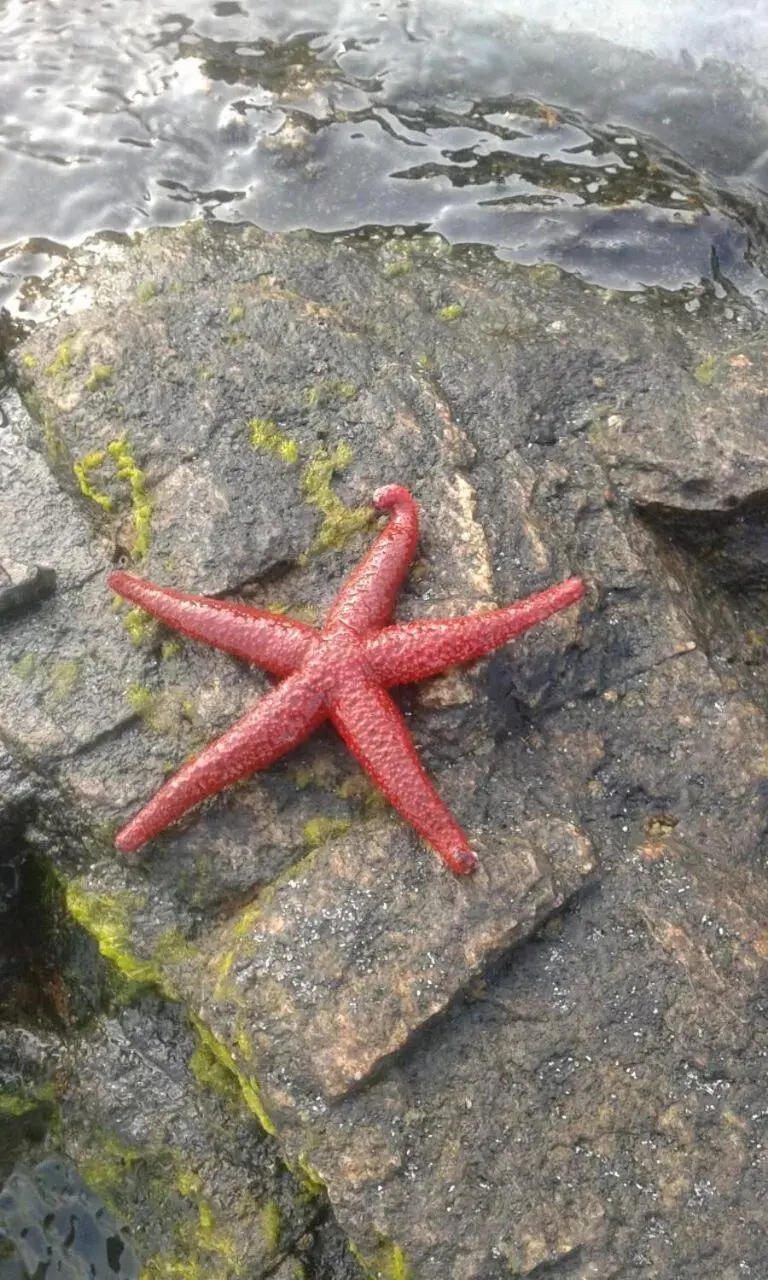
271,1225
59,680
61,362
105,1170
167,712
128,471
451,312
201,1247
398,1263
107,917
236,313
358,787
99,839
171,947
398,267
162,1179
202,1235
340,522
354,787
266,436
99,375
83,468
248,917
170,649
22,1102
250,1090
13,1105
318,831
330,390
388,1262
395,1264
55,448
211,1074
146,291
25,666
242,1040
321,773
28,1114
221,965
706,370
141,505
544,272
313,1184
140,625
64,677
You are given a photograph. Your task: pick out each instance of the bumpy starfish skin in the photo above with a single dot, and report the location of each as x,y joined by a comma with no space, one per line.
340,673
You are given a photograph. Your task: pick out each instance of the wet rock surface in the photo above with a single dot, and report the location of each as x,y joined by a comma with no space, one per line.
352,956
164,1162
479,1102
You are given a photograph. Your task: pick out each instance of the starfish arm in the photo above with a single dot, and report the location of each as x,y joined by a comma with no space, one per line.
281,720
376,734
273,642
368,596
416,650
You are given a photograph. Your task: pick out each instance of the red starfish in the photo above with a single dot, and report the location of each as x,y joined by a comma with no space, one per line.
341,672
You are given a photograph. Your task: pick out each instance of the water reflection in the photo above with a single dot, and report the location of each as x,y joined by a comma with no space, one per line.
643,171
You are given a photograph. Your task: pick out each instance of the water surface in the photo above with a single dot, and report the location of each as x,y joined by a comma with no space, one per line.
630,146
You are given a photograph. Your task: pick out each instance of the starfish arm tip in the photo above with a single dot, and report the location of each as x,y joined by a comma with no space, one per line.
128,842
116,579
462,862
391,495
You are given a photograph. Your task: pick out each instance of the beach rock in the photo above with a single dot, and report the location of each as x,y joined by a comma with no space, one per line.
555,1065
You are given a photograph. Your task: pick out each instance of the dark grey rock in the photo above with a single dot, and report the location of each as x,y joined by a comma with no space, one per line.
592,1102
23,586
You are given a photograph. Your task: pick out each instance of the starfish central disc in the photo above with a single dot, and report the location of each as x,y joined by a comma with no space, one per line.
340,673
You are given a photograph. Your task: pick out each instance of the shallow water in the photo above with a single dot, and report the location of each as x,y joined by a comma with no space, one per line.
630,147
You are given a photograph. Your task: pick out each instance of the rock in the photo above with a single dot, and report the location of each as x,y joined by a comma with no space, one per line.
54,1220
483,1094
351,956
23,586
151,1121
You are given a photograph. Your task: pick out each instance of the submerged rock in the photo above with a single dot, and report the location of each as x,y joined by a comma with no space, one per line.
591,1101
58,1225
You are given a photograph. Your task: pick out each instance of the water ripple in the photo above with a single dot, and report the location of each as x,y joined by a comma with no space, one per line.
118,115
